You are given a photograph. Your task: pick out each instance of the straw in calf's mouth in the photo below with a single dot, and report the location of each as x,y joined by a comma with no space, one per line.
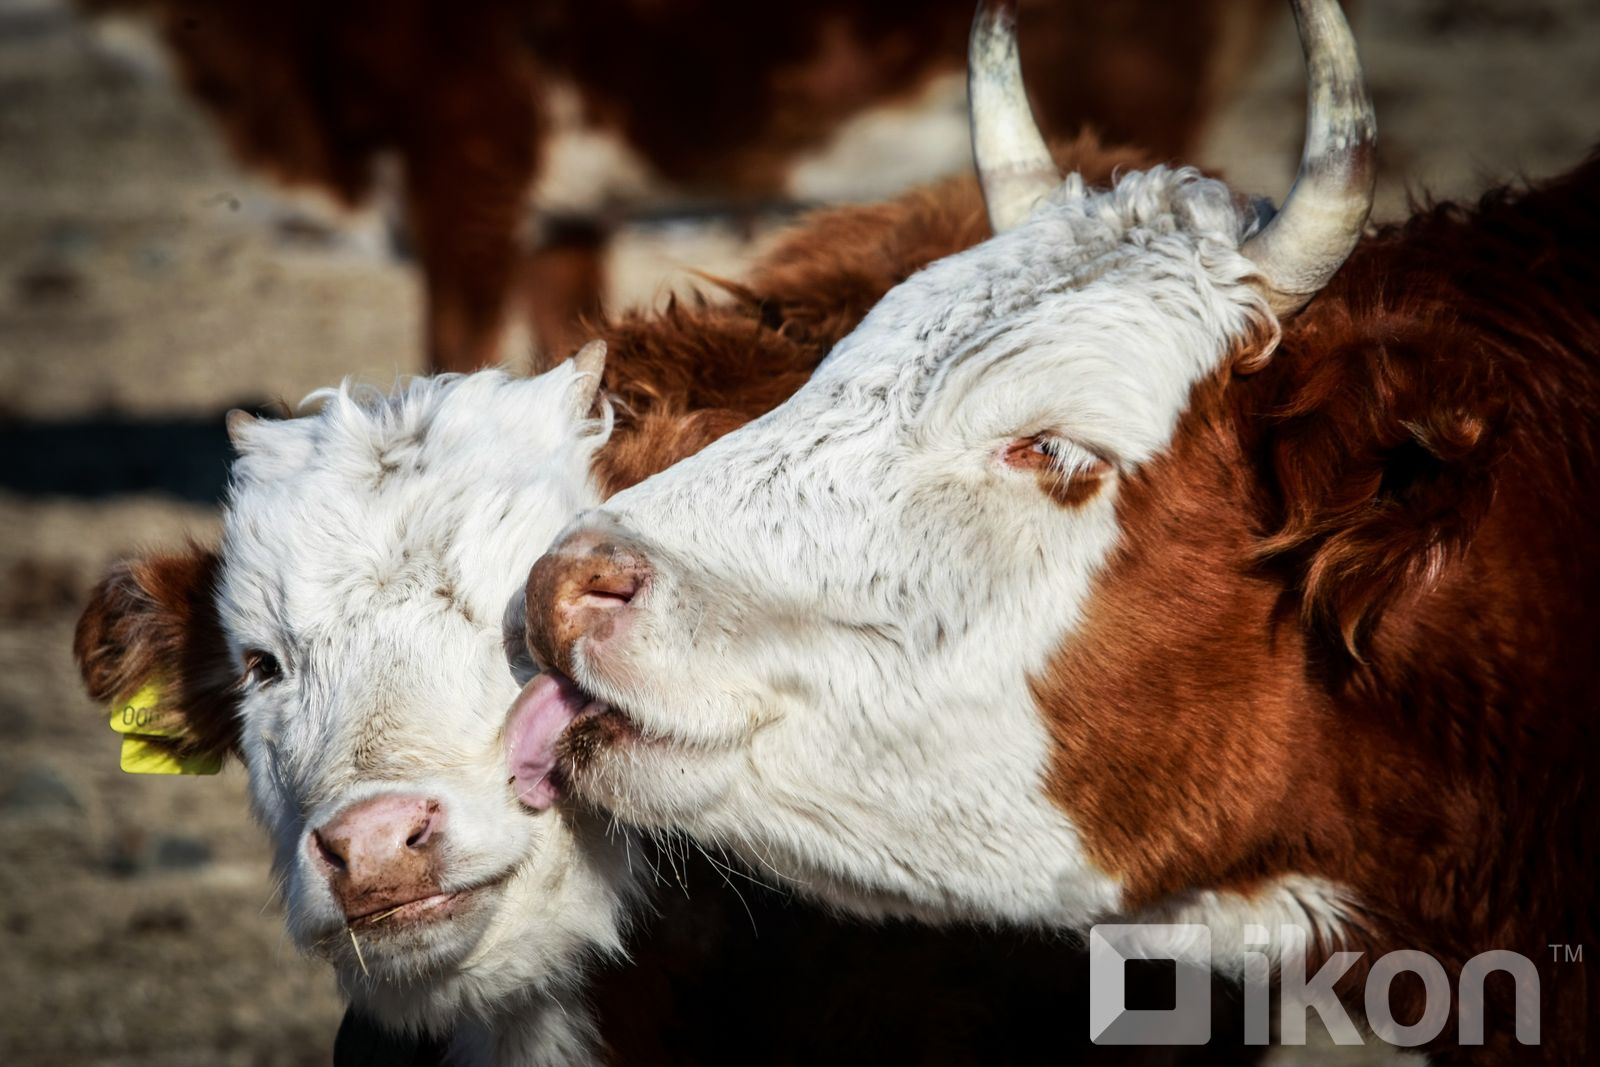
425,910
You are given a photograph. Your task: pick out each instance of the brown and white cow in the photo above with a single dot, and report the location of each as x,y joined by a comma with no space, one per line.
686,101
1160,560
345,641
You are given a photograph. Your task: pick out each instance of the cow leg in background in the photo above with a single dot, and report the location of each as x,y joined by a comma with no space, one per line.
467,178
563,285
1172,65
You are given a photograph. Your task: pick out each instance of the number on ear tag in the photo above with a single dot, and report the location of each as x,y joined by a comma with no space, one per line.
152,736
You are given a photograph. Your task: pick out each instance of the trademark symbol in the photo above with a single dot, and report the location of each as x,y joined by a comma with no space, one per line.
1565,953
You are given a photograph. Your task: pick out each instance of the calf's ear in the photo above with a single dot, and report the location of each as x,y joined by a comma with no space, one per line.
153,623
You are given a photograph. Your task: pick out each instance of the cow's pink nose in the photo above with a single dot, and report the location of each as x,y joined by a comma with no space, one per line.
583,587
380,852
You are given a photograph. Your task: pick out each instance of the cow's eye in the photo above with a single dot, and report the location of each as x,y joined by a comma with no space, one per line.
1067,472
261,667
1030,453
1042,451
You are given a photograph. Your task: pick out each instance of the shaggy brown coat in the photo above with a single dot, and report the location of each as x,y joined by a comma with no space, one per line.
1361,589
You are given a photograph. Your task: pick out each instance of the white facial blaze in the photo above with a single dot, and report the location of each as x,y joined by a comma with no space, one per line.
371,549
850,595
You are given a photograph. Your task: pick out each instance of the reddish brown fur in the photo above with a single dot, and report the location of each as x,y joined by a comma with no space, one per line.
155,619
1361,590
561,285
1069,491
719,96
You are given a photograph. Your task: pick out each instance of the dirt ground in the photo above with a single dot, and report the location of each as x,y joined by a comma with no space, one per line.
146,285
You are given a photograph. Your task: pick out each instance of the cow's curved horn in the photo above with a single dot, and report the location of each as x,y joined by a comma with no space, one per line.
1014,166
1322,217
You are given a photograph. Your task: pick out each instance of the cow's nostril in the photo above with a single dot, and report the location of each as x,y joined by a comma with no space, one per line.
330,855
380,852
611,590
605,598
583,588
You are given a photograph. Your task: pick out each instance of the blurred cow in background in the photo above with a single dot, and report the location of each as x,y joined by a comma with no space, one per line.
525,131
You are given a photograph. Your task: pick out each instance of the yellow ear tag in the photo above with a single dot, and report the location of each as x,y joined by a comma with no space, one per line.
151,737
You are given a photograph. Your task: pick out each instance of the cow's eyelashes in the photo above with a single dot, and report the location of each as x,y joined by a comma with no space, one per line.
1041,451
1067,472
1029,453
261,667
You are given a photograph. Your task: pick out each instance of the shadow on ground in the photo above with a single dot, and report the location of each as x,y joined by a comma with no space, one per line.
98,456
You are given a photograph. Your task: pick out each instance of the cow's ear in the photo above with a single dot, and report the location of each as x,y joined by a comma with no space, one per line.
589,366
1383,460
154,622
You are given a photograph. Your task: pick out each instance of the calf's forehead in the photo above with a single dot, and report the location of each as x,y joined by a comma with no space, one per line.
328,542
438,493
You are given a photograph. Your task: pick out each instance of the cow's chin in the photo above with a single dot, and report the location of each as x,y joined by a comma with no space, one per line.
625,754
475,954
653,783
424,941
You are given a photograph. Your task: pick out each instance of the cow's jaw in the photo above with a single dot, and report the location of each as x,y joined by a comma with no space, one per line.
515,947
985,842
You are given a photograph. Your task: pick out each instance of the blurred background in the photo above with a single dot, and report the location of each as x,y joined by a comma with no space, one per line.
465,182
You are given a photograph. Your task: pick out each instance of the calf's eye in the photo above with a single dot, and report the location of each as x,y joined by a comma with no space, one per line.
261,667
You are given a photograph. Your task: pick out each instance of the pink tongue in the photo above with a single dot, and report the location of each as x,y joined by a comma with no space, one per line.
541,712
